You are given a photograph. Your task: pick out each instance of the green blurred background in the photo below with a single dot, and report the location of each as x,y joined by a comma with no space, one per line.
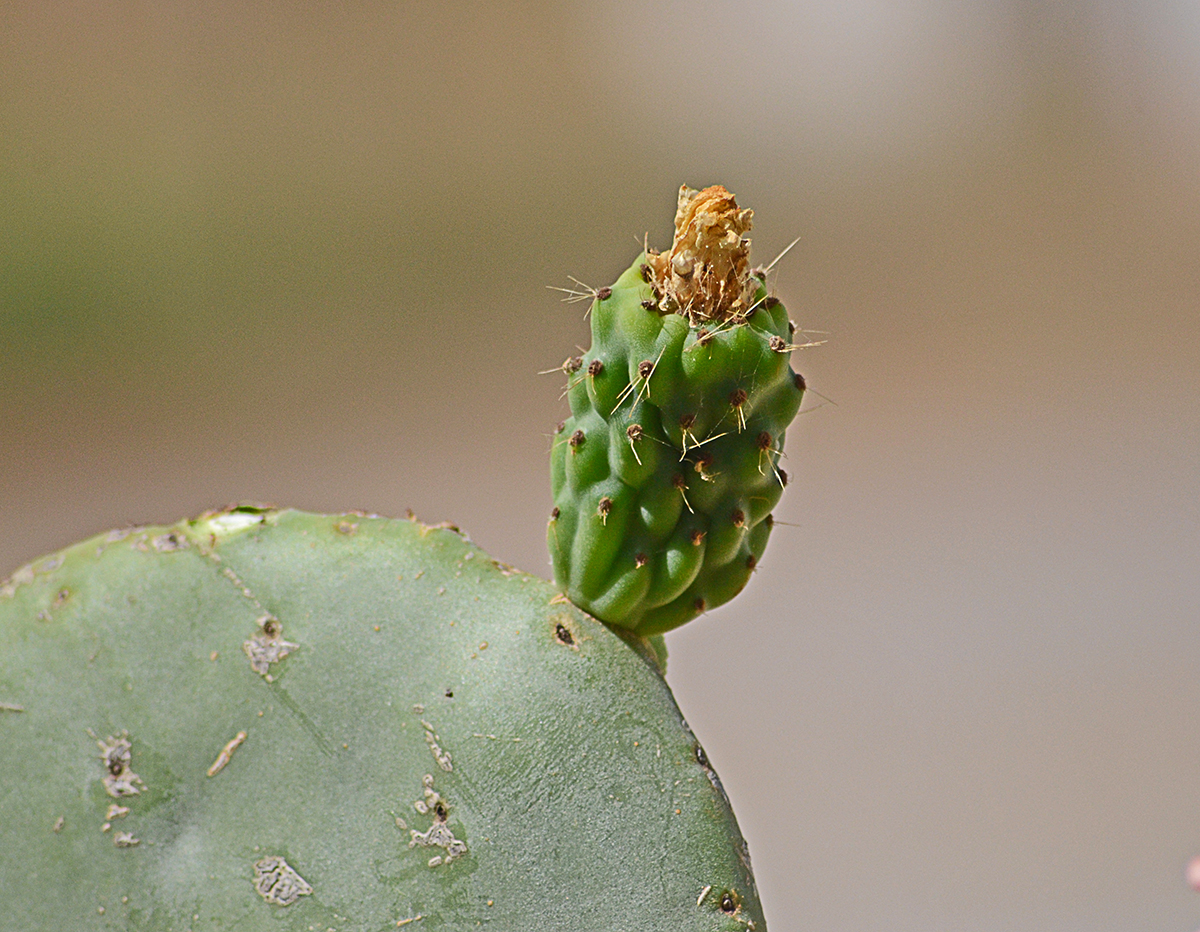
297,253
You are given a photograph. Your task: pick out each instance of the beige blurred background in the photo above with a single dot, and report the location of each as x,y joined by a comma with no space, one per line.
299,254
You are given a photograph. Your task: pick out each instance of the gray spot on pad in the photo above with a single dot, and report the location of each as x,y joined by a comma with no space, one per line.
277,883
169,543
119,778
439,834
431,738
267,646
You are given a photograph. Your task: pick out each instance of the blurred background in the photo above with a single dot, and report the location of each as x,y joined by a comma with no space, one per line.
299,254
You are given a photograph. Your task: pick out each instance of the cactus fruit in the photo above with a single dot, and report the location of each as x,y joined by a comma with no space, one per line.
665,474
266,719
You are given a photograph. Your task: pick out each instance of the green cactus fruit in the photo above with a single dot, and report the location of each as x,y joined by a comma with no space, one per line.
665,474
266,719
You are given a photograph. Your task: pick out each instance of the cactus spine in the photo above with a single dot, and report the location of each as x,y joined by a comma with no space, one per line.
666,472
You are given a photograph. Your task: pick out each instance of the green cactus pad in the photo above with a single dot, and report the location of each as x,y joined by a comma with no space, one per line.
665,474
267,719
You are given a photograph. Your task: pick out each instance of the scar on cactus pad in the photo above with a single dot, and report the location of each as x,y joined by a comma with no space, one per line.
231,722
665,474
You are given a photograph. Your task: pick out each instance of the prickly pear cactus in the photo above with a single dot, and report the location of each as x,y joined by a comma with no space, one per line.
266,719
665,474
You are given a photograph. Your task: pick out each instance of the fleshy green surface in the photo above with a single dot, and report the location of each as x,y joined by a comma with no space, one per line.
547,752
666,472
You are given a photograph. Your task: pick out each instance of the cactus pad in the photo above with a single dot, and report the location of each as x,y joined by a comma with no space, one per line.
267,719
665,474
